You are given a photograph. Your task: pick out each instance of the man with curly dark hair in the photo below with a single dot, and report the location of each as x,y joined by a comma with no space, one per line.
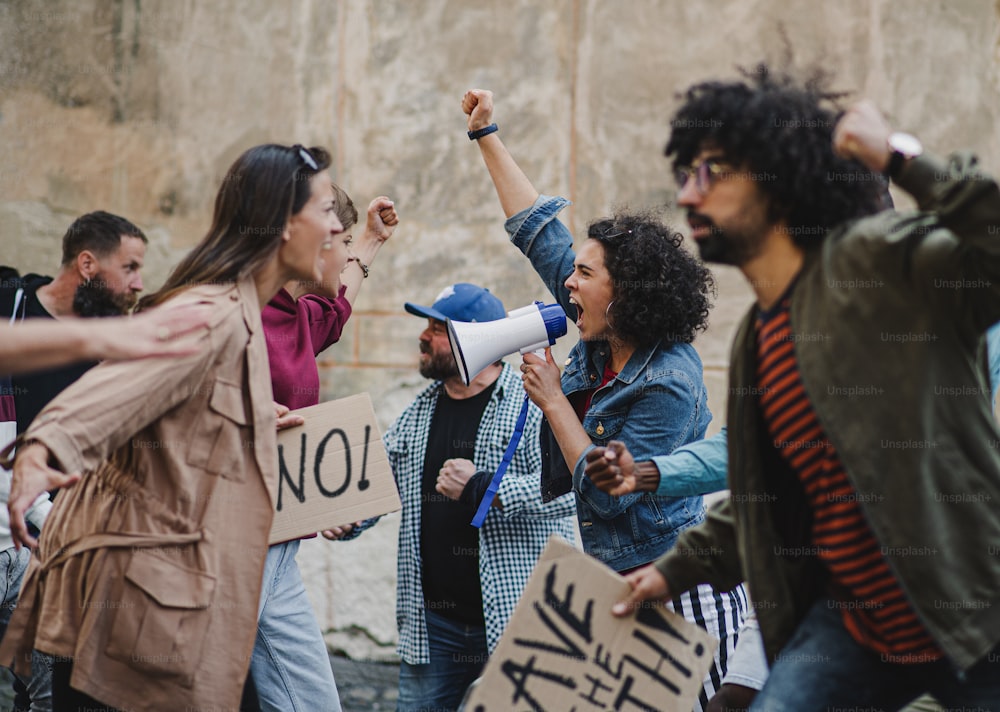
774,134
639,299
862,452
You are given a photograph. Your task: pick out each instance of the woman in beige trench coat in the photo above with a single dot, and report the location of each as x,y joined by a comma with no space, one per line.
147,575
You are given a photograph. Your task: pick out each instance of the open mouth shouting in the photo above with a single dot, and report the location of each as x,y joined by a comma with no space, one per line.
579,312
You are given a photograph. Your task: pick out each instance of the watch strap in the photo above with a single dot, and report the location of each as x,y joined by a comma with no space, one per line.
896,161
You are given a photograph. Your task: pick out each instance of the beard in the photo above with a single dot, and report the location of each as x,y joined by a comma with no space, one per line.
734,246
438,367
94,298
720,248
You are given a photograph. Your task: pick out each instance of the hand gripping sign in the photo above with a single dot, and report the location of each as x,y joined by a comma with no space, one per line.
562,649
332,470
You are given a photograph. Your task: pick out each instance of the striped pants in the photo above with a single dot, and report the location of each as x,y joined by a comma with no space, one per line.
721,614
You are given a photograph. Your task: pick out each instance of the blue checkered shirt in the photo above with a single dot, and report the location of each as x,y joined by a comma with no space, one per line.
510,540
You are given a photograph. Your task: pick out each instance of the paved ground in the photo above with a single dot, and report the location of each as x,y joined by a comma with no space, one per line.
365,686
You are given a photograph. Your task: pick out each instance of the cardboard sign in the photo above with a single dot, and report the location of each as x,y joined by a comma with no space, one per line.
332,470
563,651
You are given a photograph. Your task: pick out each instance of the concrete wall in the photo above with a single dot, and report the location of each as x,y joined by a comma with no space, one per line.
139,106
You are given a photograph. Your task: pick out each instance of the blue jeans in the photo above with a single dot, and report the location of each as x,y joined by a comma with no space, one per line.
290,665
13,564
39,687
36,691
822,667
458,653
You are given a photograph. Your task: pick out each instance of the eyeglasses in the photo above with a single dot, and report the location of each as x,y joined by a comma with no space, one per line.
705,174
306,157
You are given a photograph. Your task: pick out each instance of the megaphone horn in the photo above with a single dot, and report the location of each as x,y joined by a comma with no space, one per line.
476,345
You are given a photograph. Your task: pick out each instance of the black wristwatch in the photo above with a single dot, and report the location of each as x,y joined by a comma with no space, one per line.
902,147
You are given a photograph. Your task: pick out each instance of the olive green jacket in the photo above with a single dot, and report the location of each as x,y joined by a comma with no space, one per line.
887,317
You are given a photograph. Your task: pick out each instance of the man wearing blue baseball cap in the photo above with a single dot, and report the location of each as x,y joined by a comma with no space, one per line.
461,302
458,585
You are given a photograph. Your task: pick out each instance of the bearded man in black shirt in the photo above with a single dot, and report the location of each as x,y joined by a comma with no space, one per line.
457,585
100,275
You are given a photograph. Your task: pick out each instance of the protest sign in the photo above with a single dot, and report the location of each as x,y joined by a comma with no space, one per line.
563,651
332,470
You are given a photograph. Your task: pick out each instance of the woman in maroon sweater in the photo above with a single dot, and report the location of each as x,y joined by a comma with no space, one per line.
303,319
290,666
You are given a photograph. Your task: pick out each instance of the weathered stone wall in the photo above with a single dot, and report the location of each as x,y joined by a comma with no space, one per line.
139,106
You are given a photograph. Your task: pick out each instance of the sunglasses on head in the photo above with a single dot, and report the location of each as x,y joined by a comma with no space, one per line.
306,156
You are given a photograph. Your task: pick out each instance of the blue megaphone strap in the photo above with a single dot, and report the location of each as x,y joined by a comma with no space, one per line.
491,491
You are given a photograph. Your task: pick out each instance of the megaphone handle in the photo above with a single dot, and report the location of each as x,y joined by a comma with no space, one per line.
491,490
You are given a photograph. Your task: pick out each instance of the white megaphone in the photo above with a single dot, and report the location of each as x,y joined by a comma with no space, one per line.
478,344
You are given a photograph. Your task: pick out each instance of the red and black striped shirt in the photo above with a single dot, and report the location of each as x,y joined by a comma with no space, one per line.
875,610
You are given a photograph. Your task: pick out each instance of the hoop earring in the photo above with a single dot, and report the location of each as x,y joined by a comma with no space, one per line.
607,315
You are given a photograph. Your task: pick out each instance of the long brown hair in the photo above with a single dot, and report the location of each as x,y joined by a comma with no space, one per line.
261,191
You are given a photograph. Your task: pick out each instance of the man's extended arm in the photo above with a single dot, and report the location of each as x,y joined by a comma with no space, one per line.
696,468
953,195
34,345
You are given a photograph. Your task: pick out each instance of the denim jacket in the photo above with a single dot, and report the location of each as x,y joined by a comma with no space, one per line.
993,355
657,403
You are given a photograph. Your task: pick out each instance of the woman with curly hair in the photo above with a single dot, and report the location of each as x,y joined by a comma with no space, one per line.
639,299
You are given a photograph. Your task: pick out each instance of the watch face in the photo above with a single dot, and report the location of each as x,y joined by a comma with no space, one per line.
906,144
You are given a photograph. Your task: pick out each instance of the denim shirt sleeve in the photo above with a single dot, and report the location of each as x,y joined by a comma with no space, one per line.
604,505
993,352
698,468
547,243
646,432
